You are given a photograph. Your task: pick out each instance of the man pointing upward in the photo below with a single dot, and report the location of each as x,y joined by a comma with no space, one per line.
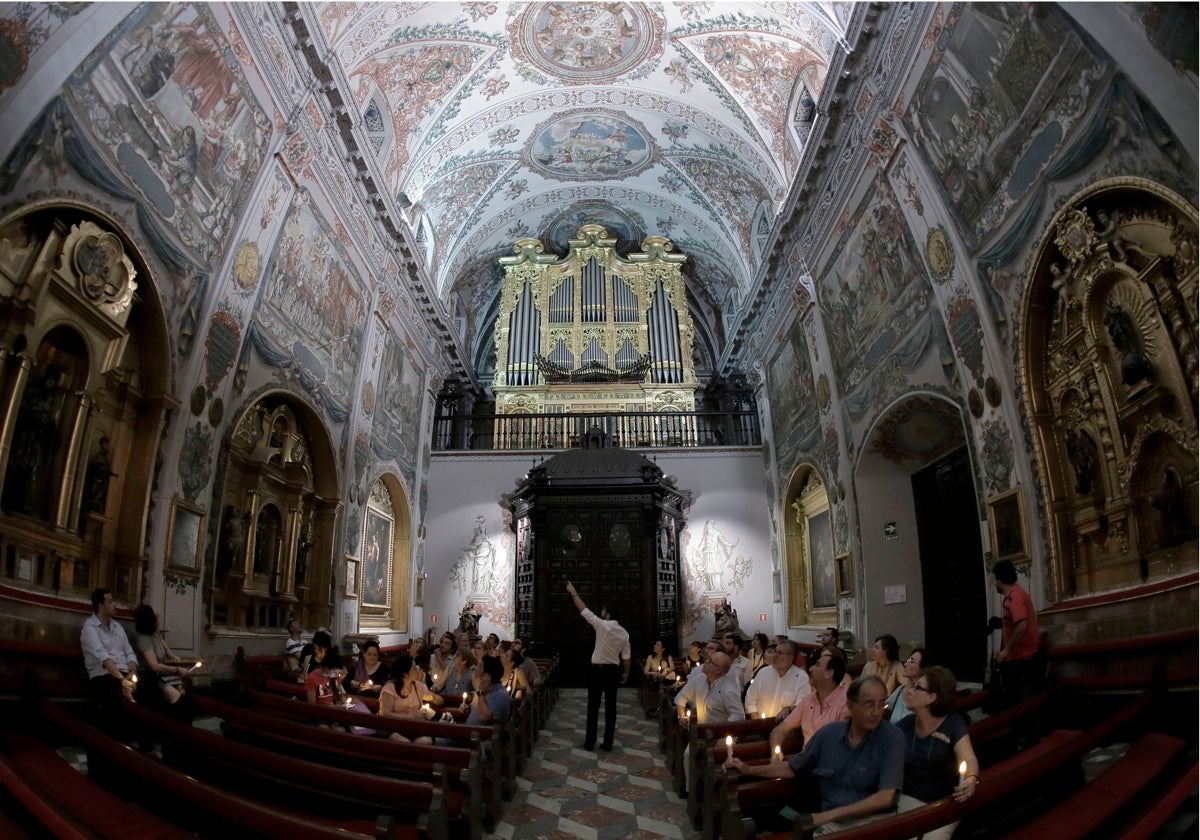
610,658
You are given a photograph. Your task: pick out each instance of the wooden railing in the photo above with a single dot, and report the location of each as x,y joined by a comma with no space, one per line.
634,429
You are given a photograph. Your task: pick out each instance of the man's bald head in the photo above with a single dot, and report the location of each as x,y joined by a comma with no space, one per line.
719,664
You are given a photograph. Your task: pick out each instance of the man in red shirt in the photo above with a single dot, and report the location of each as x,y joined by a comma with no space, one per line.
1017,658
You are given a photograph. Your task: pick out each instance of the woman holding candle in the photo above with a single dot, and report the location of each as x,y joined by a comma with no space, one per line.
885,662
157,664
405,695
369,673
659,663
938,759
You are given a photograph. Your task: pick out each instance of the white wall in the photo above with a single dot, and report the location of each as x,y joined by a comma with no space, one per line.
726,486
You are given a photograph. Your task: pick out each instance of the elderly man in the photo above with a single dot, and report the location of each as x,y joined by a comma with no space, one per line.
826,702
779,687
860,761
716,697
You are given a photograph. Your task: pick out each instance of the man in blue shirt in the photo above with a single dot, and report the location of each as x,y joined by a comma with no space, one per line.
491,704
859,762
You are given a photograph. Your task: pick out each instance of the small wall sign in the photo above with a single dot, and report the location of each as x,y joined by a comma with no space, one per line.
762,617
433,618
890,531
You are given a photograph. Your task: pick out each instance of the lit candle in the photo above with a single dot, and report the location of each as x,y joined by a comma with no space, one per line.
728,749
764,715
197,665
687,715
133,678
464,698
778,753
367,684
962,773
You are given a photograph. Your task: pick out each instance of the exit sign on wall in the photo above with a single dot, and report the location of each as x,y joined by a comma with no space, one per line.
762,616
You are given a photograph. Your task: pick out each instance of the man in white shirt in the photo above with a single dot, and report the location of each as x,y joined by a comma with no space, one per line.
109,659
717,699
777,687
610,658
741,663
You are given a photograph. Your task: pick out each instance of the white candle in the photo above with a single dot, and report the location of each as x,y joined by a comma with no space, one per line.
962,773
778,753
764,715
728,749
197,665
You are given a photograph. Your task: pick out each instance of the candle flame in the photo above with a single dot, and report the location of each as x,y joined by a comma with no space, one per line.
778,751
197,665
728,740
962,768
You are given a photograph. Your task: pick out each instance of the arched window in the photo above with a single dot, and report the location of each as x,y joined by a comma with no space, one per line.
1109,362
386,568
808,541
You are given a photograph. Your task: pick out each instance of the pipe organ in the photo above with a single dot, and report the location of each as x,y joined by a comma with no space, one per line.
594,331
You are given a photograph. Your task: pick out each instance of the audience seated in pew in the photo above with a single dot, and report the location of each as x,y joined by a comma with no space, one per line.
897,709
513,678
405,696
159,670
779,686
110,661
369,674
861,761
824,704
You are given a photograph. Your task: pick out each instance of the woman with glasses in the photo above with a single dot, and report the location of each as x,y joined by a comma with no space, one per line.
897,708
936,747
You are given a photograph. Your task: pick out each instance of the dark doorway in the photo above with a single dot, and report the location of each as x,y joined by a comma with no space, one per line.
607,520
952,572
609,556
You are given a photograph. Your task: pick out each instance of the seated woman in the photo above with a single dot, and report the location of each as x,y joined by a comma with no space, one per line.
936,746
405,695
157,664
758,652
692,660
323,684
897,710
513,679
659,663
885,662
369,673
462,669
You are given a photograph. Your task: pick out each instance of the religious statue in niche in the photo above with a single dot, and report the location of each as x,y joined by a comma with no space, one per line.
1134,365
95,482
726,621
34,445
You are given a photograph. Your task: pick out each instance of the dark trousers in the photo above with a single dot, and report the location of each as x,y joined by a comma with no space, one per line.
602,679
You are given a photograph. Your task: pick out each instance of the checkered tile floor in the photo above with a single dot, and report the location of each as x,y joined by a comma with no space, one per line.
569,792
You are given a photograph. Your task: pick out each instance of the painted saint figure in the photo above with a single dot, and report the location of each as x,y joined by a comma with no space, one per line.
713,553
480,554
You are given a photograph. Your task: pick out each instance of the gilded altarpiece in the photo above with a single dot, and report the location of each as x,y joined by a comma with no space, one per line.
1110,363
593,332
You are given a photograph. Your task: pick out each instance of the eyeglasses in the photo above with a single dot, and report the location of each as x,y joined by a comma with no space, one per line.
922,688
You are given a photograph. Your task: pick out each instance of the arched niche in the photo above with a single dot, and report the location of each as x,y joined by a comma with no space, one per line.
919,516
384,593
273,559
84,382
1109,368
808,546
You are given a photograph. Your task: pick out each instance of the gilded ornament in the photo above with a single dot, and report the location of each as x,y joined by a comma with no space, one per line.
1076,235
245,265
939,253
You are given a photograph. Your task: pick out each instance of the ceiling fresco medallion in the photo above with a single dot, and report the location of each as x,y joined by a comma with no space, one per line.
588,42
921,429
939,253
590,146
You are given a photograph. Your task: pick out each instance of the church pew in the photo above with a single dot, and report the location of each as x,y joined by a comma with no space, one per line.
469,768
66,802
203,806
58,669
500,739
281,778
700,744
1085,812
1150,822
755,752
1001,785
254,670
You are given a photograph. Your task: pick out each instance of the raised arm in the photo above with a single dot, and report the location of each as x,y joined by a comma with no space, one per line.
579,605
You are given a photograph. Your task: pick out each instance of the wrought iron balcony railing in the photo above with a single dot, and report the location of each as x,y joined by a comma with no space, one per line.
650,429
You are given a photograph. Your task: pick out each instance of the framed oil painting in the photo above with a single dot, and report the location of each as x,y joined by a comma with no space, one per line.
377,561
845,574
184,545
1006,522
351,577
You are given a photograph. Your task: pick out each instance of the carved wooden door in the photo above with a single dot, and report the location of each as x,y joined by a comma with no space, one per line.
606,547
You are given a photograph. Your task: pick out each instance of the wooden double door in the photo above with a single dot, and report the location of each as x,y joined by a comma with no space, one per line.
607,548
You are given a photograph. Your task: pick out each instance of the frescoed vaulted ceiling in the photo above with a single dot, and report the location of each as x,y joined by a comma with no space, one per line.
496,121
